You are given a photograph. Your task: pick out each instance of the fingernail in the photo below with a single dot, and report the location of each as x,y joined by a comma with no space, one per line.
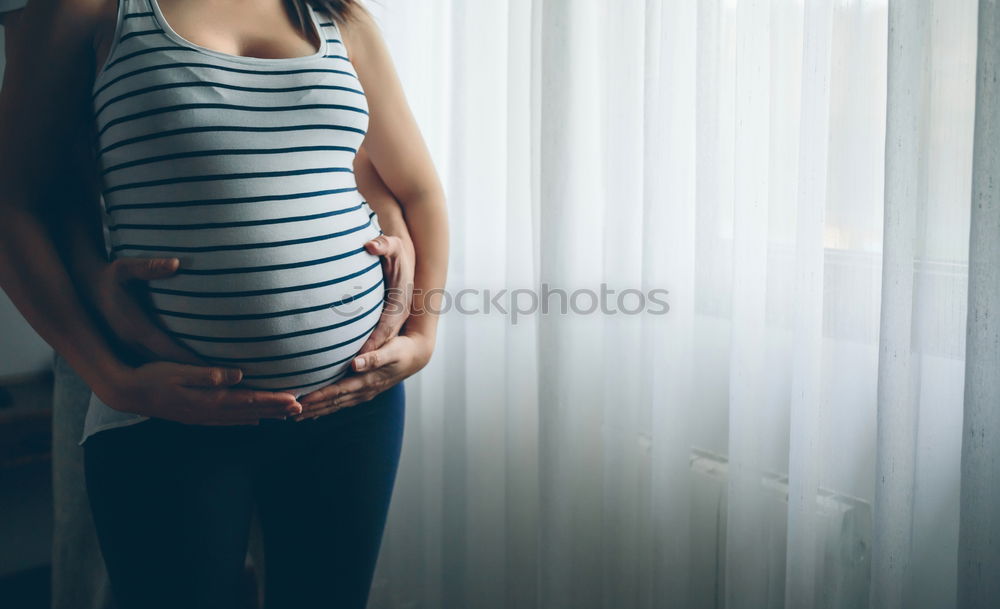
359,363
233,375
294,408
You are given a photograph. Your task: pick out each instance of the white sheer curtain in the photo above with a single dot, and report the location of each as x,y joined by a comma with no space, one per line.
798,175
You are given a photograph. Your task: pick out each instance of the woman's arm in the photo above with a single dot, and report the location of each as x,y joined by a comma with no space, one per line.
401,158
402,161
44,111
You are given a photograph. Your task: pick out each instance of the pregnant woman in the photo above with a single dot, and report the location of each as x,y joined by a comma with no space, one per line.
228,140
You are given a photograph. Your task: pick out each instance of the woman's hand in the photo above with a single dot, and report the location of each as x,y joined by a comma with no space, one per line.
195,395
397,266
376,370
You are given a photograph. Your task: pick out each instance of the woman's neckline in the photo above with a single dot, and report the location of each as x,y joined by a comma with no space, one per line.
169,31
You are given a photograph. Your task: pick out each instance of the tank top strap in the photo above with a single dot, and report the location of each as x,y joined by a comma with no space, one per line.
334,40
328,27
136,17
135,21
135,9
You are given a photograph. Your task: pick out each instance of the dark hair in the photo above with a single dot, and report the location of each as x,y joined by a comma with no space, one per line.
341,10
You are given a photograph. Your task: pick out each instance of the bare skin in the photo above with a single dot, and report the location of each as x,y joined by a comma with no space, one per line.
61,35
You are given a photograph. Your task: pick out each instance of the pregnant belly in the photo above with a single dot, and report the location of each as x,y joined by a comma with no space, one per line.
289,305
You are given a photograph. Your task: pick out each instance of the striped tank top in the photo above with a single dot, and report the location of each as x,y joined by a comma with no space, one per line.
241,167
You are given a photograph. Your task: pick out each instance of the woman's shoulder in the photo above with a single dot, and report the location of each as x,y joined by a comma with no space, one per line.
357,23
360,31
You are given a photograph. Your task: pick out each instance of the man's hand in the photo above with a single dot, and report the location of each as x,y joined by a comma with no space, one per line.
195,395
377,370
118,292
166,387
397,267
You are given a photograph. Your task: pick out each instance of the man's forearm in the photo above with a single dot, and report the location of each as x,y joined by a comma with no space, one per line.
45,119
35,278
77,234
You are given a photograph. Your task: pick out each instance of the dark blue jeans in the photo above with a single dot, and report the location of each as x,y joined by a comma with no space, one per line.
172,504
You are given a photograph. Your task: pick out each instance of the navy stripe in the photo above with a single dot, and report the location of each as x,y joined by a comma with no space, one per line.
221,85
270,267
228,128
232,200
240,224
267,292
264,339
298,372
324,382
336,57
236,107
170,66
134,15
334,40
277,358
146,52
259,316
239,246
227,152
140,33
227,176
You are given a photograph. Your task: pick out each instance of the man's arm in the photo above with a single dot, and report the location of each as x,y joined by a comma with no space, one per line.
113,290
44,111
44,85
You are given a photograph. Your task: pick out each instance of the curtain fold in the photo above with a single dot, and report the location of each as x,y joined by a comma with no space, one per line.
979,545
666,347
748,581
805,414
898,395
792,180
